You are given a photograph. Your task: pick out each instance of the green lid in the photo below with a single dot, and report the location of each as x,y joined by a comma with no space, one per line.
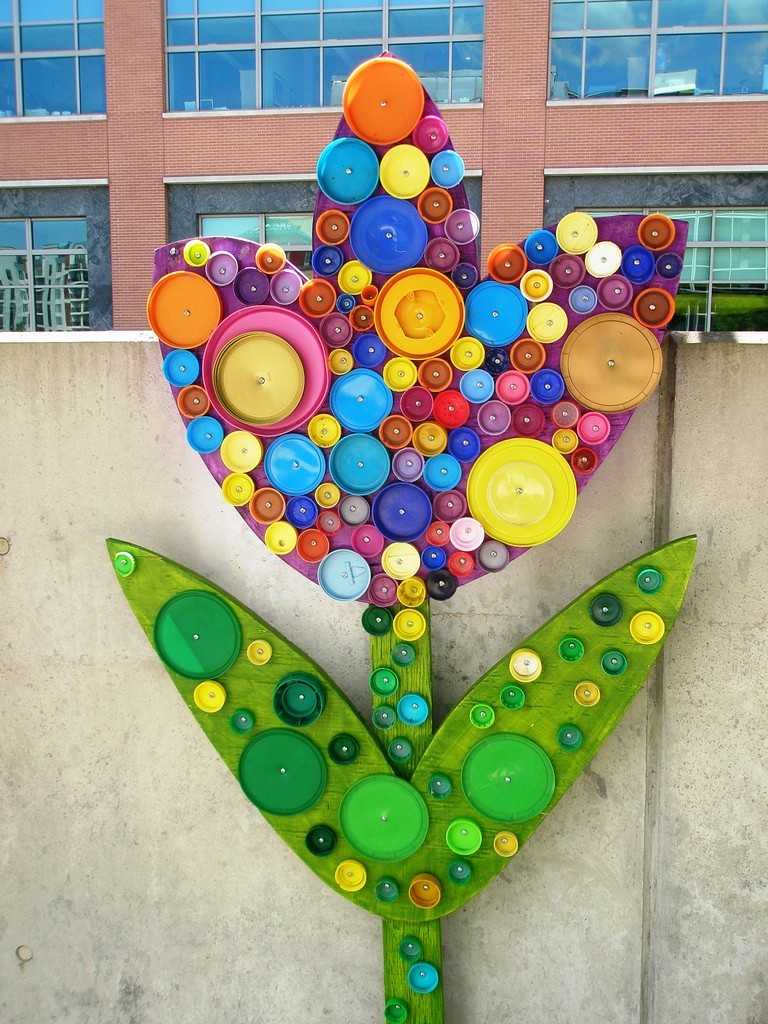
396,1011
387,890
649,580
282,772
570,736
384,716
343,748
383,681
464,836
482,716
124,563
400,749
508,777
321,840
384,817
614,662
460,871
571,648
439,786
377,621
605,609
411,948
403,654
197,634
242,720
512,697
299,699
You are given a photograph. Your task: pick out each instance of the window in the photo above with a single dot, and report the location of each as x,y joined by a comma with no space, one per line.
724,285
51,58
43,275
292,231
246,54
605,49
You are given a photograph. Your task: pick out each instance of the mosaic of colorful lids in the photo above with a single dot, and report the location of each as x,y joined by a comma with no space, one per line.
396,427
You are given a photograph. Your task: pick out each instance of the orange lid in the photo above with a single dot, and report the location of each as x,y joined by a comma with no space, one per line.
317,297
368,294
183,308
193,401
270,258
383,100
425,891
434,205
507,263
361,318
654,308
267,505
435,374
527,355
396,431
332,227
656,231
312,545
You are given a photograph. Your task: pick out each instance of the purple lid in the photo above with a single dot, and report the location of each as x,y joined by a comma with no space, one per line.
382,591
335,330
407,464
567,271
285,286
252,287
221,268
462,226
449,505
614,292
416,404
494,417
441,254
465,275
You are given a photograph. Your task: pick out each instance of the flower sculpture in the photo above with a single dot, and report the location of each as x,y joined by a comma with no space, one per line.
395,428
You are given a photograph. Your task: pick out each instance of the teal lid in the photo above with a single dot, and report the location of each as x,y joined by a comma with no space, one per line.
383,681
460,871
570,736
403,654
614,662
299,699
649,580
242,720
439,786
387,890
384,716
605,609
411,948
400,750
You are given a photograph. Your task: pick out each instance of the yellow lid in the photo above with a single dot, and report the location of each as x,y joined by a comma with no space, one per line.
409,624
587,694
340,361
505,844
259,652
259,378
404,171
400,560
647,627
196,252
209,696
467,353
324,430
412,592
354,276
536,285
241,451
350,875
400,374
576,232
419,313
429,438
280,537
237,488
547,322
565,441
525,665
327,494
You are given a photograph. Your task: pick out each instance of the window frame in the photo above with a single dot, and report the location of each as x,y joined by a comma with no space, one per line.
262,220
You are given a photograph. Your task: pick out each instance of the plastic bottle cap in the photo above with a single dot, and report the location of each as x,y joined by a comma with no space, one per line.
656,231
404,171
605,609
294,464
424,892
193,401
536,285
410,624
376,621
327,495
614,662
312,546
547,322
466,534
387,890
565,414
350,875
412,592
460,871
259,652
383,681
321,840
477,386
197,634
461,564
282,772
493,555
447,168
584,460
242,720
463,836
441,584
571,649
329,521
340,361
343,748
441,473
603,259
324,430
569,736
344,575
482,716
298,699
241,451
434,205
649,580
512,697
505,844
400,750
576,232
204,434
435,374
467,353
547,386
124,563
647,627
280,537
507,777
412,708
181,367
507,263
527,355
354,510
403,654
360,400
495,313
270,258
565,441
439,786
411,948
395,431
587,694
400,373
513,387
267,505
423,977
430,438
400,560
525,665
237,489
196,252
430,134
541,246
383,590
209,696
384,716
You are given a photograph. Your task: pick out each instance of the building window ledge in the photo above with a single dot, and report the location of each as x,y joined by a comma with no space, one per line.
173,115
53,119
656,100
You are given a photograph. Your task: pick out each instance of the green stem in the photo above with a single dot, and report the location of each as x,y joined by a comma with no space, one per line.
422,1009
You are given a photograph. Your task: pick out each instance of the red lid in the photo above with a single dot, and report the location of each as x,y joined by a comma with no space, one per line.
451,409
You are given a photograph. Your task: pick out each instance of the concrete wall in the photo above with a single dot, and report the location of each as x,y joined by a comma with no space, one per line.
150,891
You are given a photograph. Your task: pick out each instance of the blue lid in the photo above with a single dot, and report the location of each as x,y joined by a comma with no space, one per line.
402,511
433,557
327,259
205,434
547,386
442,472
496,313
181,367
301,512
477,386
369,350
360,400
638,264
464,444
582,299
497,361
412,709
447,168
669,264
541,247
388,235
344,575
465,275
423,978
359,463
345,303
348,171
294,465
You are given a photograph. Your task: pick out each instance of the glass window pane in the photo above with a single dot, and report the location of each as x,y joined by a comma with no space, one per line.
14,306
48,37
613,14
747,12
740,266
226,30
617,66
688,65
699,223
565,69
674,13
13,235
741,225
338,63
91,36
278,6
422,3
181,81
59,234
180,31
467,77
360,25
61,309
48,86
468,21
13,271
225,6
90,9
568,15
740,290
245,225
93,99
420,22
228,80
430,62
290,230
290,28
746,62
47,10
7,89
346,5
61,270
6,12
179,7
291,78
6,40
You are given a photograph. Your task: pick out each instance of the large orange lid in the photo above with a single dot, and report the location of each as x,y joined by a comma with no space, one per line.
183,308
383,100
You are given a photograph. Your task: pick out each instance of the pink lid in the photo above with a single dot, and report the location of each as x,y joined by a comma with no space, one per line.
513,387
368,541
416,404
565,414
593,428
494,417
285,286
466,534
462,226
449,506
382,591
430,134
335,330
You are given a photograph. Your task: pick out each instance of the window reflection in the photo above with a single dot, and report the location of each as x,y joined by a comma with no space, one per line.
291,78
617,66
604,14
565,68
339,63
688,65
227,80
746,63
430,61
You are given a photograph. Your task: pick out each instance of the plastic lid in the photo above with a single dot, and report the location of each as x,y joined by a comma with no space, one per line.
259,652
344,575
656,231
298,699
467,353
376,621
354,510
647,627
527,355
267,505
348,171
541,246
410,624
241,451
576,232
492,555
242,720
429,438
383,100
614,662
237,488
460,871
383,681
192,401
411,948
423,977
449,506
508,777
512,697
434,205
359,464
525,665
197,634
547,322
387,890
382,591
447,168
340,361
571,649
587,694
536,285
400,750
332,227
412,708
439,786
605,609
281,538
402,512
124,563
204,434
400,373
183,308
360,400
603,259
350,876
181,367
419,313
404,171
321,840
425,891
463,836
649,580
282,772
209,696
196,252
403,654
343,748
482,716
388,235
496,313
431,133
570,737
412,592
384,818
441,584
441,473
383,716
505,844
